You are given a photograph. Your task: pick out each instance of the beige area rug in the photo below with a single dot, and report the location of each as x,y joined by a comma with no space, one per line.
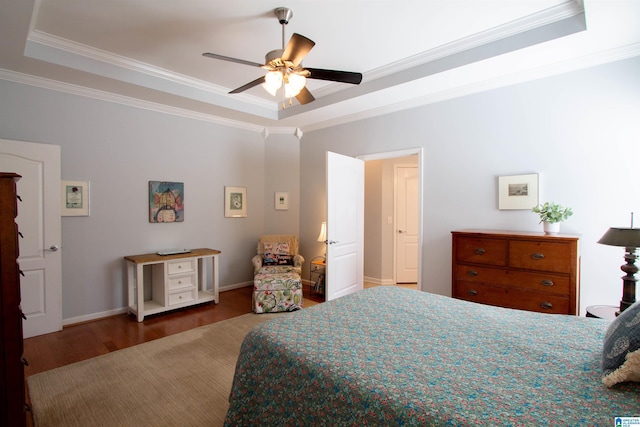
179,380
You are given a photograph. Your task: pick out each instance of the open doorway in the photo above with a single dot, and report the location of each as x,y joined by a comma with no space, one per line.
393,237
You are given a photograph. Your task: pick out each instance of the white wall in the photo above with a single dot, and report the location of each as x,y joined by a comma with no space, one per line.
579,131
119,149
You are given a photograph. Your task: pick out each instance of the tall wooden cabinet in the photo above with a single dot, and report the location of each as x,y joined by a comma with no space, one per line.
528,271
12,393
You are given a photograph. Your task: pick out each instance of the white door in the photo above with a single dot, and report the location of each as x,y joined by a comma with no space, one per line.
345,225
407,224
39,222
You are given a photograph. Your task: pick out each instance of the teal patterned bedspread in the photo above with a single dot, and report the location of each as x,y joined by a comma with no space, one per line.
389,356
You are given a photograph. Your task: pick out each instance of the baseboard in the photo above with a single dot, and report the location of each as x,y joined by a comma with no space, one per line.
115,312
380,282
93,316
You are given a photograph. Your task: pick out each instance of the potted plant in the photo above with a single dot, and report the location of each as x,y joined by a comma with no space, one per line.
551,215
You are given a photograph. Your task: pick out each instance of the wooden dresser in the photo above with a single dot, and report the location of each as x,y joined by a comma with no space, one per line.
523,270
12,393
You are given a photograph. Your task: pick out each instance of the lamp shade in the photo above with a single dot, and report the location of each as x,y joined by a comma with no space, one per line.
322,237
624,237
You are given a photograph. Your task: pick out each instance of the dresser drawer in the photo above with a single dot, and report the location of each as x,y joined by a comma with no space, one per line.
182,297
541,282
181,266
177,282
477,274
543,256
504,296
481,250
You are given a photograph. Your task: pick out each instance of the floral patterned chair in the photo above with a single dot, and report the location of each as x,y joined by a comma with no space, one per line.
277,285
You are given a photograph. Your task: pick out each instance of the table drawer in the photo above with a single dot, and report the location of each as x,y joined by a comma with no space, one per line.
181,266
481,250
543,256
182,297
177,282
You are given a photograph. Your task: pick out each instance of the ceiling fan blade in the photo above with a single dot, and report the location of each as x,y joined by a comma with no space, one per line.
230,59
304,97
334,75
249,85
297,49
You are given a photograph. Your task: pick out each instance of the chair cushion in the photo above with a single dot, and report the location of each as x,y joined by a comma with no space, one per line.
280,281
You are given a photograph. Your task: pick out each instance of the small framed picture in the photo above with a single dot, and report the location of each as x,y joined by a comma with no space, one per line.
235,202
518,191
75,198
282,201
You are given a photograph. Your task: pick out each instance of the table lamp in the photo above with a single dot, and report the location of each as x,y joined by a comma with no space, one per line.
628,238
322,237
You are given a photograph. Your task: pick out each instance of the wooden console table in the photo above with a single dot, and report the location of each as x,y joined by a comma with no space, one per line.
176,281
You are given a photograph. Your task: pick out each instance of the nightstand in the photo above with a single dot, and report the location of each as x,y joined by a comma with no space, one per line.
317,275
602,311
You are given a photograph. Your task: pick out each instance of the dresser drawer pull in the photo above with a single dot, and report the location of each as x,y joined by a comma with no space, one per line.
546,282
537,255
546,305
472,292
472,273
480,251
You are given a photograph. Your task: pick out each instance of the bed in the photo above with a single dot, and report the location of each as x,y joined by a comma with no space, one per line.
393,356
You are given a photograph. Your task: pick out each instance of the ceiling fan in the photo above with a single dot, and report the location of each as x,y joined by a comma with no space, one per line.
284,67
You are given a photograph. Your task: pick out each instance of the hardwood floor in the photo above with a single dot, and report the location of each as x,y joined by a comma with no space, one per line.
86,340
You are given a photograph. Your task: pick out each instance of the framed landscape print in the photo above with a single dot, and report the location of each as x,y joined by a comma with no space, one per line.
235,202
518,191
75,198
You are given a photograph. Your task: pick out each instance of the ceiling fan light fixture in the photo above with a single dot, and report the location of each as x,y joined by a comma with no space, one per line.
293,85
273,81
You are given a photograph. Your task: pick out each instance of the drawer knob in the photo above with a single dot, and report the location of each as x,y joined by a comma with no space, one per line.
537,255
546,305
179,282
472,292
472,273
547,282
179,266
480,251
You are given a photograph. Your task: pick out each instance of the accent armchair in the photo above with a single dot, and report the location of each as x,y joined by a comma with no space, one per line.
277,283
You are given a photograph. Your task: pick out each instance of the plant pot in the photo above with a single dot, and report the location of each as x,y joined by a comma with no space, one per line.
551,227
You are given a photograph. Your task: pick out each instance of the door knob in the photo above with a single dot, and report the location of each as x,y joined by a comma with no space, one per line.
401,231
53,248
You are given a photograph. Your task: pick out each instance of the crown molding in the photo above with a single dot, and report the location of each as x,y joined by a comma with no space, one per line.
100,95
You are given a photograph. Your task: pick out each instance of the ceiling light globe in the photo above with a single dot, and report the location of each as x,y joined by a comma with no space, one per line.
273,80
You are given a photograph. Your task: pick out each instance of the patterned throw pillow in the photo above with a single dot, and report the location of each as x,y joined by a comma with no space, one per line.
621,352
277,254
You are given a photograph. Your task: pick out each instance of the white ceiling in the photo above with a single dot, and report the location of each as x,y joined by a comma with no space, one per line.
149,52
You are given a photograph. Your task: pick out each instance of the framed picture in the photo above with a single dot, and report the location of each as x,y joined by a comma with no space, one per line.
166,201
235,202
518,191
75,198
282,201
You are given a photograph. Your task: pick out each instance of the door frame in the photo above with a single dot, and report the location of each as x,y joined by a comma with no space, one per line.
402,153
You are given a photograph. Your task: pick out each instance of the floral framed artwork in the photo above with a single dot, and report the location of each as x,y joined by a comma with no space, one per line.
282,201
518,191
235,202
75,198
166,201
